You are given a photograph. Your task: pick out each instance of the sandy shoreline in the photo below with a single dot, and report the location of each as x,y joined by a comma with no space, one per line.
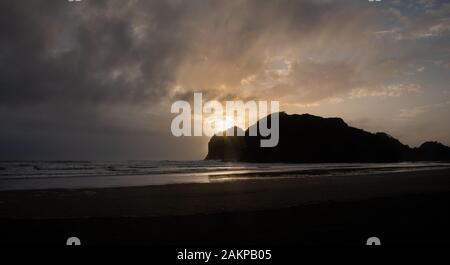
402,220
241,195
400,208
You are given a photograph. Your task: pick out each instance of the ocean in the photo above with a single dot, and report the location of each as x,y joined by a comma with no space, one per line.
45,175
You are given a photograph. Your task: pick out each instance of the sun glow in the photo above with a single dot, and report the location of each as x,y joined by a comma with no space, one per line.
223,124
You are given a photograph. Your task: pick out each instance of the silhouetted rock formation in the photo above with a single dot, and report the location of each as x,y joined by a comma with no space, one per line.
229,148
431,151
311,139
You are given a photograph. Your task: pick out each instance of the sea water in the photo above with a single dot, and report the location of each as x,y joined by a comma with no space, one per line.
44,175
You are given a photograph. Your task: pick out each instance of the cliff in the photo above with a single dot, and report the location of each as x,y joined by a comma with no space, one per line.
311,139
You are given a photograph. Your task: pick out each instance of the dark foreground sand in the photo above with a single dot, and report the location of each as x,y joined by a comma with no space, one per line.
400,208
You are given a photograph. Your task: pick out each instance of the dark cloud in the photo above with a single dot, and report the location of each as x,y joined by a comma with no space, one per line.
115,52
85,54
68,70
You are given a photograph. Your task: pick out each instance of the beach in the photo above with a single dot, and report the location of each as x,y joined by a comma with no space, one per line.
398,207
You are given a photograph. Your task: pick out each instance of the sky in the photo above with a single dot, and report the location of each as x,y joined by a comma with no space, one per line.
95,80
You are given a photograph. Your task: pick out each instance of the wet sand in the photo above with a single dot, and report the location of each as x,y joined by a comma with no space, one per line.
408,207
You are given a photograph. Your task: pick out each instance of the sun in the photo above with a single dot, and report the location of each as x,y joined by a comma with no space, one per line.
223,124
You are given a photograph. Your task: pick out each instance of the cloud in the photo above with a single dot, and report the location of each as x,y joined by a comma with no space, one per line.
386,91
286,49
409,114
432,21
412,113
139,52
